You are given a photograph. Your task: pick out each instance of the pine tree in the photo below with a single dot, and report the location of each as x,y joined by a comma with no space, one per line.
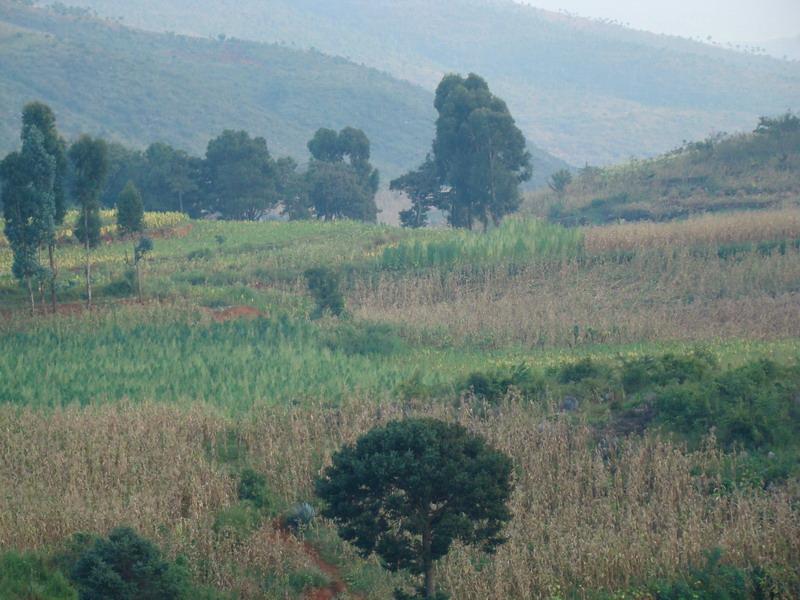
130,211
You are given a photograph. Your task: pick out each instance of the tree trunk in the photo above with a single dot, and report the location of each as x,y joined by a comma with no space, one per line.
88,262
51,252
180,200
30,294
430,584
138,274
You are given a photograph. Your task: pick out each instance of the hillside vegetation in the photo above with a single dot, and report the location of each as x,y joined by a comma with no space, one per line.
757,170
135,88
585,91
645,389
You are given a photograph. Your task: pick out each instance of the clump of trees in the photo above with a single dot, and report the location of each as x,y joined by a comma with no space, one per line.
408,490
478,162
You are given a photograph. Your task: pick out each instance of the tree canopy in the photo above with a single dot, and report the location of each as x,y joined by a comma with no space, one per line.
479,152
407,490
130,211
339,188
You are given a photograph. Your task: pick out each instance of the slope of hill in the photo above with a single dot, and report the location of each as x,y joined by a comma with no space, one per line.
585,91
745,171
137,87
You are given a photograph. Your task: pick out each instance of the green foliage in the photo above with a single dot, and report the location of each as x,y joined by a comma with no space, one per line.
240,176
479,153
495,385
422,187
28,202
300,516
130,211
711,580
337,188
407,490
89,159
126,566
40,116
516,241
237,521
325,287
253,488
560,180
29,577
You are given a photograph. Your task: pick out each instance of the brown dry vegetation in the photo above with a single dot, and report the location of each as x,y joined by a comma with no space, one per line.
753,226
581,515
649,296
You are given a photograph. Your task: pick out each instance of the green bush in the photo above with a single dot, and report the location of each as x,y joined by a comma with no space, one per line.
253,488
649,371
28,577
125,566
495,385
324,285
237,521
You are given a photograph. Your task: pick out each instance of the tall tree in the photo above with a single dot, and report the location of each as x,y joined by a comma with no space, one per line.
130,211
239,176
407,490
169,177
90,165
339,188
41,116
479,152
29,205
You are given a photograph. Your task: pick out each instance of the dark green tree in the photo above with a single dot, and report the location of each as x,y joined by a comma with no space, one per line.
130,211
170,177
292,190
29,206
479,152
407,490
41,116
325,287
423,189
239,176
90,166
337,188
125,566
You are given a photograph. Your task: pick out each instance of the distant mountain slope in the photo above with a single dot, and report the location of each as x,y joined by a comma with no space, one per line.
137,87
785,47
584,90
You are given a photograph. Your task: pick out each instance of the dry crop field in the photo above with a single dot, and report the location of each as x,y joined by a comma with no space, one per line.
677,343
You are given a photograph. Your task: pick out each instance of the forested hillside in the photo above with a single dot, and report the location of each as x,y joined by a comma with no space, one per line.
583,90
136,88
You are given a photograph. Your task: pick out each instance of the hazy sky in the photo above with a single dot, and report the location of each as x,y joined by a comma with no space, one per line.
725,20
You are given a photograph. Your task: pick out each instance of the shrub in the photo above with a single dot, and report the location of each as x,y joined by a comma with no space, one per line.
253,488
495,385
649,371
324,285
28,577
237,521
125,566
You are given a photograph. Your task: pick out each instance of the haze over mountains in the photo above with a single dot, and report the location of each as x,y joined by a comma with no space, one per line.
583,90
137,87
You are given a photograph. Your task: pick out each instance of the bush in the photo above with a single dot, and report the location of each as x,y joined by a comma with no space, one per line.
237,521
324,285
650,371
253,488
28,577
125,566
495,385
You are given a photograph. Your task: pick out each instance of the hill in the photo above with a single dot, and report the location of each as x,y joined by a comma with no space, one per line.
585,91
745,171
137,87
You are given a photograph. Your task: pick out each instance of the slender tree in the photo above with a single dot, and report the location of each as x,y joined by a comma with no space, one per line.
41,116
29,206
130,221
90,164
423,189
406,491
